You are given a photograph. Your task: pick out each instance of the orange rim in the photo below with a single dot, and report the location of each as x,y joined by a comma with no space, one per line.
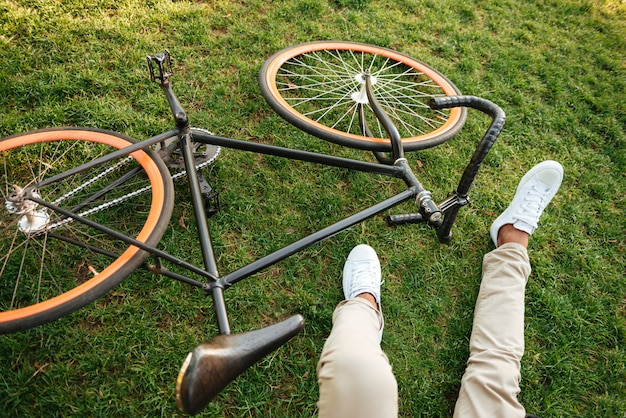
158,195
281,58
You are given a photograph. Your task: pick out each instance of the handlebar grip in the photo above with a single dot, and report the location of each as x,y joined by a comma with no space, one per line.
407,218
474,102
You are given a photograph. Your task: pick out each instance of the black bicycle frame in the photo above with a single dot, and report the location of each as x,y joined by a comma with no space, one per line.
440,217
215,363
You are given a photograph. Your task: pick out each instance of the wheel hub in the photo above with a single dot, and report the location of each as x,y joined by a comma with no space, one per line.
361,95
33,219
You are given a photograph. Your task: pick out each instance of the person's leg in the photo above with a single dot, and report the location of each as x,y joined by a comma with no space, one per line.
490,385
354,375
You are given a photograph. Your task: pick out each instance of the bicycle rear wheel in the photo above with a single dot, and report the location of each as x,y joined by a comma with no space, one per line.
51,265
319,87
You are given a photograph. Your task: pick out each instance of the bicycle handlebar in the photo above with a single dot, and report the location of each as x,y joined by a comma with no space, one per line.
460,195
451,206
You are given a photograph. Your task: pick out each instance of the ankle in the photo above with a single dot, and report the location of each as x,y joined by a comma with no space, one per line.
508,233
370,298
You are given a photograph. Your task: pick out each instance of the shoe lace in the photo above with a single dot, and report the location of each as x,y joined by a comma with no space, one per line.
367,278
533,204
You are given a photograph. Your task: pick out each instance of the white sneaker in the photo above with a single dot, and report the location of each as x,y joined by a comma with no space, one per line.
362,274
534,192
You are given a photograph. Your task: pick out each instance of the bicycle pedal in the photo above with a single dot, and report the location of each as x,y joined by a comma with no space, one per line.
163,63
211,203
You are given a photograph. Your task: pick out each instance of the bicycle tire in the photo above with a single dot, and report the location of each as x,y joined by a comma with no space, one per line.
317,87
50,270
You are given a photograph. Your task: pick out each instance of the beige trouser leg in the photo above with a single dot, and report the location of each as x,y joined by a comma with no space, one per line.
354,375
490,385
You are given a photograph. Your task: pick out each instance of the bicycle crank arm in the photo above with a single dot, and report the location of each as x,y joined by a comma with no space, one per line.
214,364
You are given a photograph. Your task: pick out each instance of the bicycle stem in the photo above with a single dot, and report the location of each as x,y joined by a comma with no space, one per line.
429,210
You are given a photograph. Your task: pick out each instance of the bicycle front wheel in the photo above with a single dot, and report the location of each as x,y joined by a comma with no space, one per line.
320,87
51,265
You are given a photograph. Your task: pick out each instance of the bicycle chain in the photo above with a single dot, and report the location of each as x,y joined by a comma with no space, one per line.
121,199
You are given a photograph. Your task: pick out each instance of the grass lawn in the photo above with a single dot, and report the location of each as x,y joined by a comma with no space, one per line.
556,67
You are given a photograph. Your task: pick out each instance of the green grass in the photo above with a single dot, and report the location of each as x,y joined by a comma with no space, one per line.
557,69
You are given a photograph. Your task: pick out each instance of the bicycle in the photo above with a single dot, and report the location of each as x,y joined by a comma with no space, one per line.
84,208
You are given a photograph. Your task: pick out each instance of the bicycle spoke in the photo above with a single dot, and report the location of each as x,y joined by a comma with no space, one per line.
331,77
36,264
319,85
